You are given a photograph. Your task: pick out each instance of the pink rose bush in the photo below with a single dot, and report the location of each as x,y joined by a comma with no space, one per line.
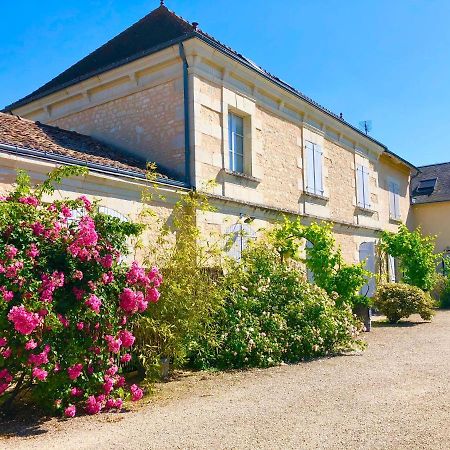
67,302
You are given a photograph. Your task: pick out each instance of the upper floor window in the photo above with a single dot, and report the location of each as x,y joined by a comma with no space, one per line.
394,200
314,164
362,187
236,142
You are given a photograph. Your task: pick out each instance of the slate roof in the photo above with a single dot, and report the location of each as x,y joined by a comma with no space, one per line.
48,140
441,191
161,28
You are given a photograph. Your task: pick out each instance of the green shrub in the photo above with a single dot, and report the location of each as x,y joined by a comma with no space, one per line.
322,258
272,314
190,294
415,254
398,300
444,297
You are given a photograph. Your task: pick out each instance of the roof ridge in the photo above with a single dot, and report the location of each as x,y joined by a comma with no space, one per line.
435,164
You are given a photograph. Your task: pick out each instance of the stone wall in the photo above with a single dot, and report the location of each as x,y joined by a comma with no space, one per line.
148,123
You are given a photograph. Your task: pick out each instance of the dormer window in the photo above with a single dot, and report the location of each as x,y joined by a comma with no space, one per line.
426,187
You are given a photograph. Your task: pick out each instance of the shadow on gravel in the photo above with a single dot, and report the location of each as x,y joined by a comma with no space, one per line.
402,324
22,427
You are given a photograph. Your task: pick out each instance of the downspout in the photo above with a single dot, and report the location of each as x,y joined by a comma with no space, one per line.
187,132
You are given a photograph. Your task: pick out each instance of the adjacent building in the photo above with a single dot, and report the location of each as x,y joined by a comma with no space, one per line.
430,200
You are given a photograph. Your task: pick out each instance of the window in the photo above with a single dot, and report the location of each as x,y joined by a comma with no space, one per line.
394,200
362,187
426,187
314,161
236,142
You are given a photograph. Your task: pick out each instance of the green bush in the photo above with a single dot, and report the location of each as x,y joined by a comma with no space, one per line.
415,253
444,297
398,300
322,258
190,294
272,314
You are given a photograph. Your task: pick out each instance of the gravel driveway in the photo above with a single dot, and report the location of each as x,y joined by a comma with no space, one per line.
395,395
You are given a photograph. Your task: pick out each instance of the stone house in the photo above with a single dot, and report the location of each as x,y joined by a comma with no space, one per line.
165,91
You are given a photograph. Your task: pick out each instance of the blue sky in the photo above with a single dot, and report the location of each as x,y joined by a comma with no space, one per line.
383,60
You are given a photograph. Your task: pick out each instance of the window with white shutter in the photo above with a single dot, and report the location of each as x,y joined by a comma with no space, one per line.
394,200
314,164
362,187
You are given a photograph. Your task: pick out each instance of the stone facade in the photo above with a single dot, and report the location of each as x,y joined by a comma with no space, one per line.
139,107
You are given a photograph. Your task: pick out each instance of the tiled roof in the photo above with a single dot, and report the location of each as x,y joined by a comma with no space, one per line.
26,134
441,191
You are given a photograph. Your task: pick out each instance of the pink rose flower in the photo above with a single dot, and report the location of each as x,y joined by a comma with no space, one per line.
3,341
75,371
33,251
7,295
25,322
38,229
127,338
6,353
76,392
136,393
92,405
128,301
70,411
11,251
31,344
94,303
113,344
39,373
125,358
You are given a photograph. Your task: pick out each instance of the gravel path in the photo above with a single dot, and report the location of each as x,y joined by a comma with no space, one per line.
395,395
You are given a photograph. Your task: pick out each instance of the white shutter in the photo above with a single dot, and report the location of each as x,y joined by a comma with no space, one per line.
391,269
366,187
359,186
367,254
397,201
309,273
391,200
237,238
318,177
310,185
